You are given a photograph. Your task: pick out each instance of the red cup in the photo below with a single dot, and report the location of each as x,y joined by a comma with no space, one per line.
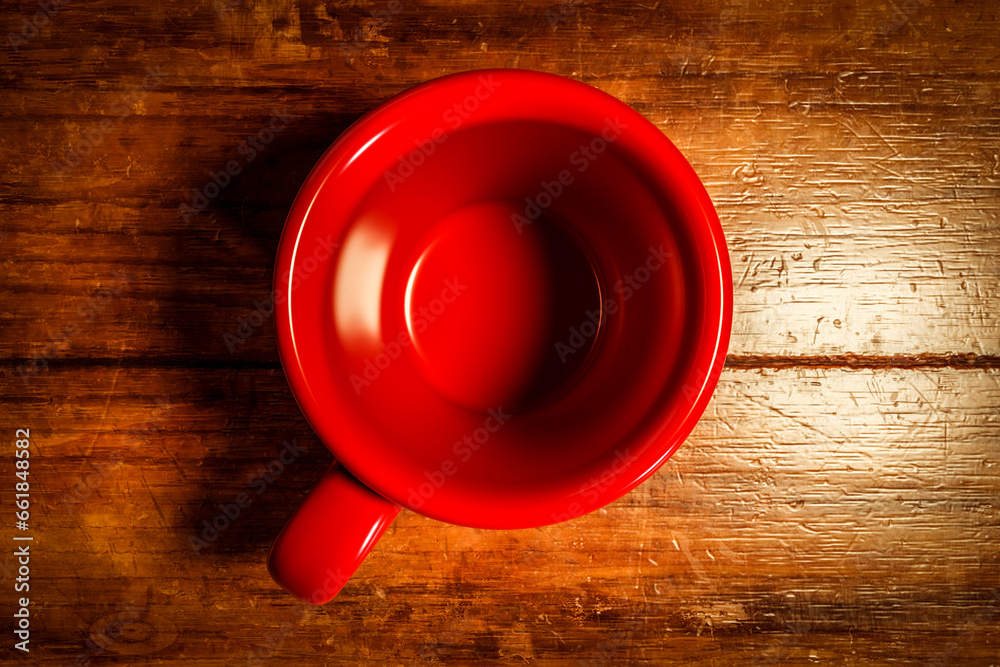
503,299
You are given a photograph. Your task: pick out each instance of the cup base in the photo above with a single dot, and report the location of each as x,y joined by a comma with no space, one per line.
490,300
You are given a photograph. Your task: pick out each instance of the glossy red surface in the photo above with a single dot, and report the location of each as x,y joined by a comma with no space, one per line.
505,300
486,303
331,534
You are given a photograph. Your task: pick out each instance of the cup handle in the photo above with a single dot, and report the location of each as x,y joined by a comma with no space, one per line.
328,536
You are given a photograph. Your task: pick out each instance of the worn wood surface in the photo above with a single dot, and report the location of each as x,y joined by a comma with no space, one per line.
839,502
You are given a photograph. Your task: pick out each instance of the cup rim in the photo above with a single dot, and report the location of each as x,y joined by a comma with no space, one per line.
545,97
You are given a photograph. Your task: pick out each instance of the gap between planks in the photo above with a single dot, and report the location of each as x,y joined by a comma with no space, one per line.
734,361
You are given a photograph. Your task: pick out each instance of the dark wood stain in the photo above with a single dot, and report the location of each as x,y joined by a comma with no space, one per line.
838,502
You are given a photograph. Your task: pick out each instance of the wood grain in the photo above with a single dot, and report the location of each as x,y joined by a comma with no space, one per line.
839,500
824,513
858,187
849,256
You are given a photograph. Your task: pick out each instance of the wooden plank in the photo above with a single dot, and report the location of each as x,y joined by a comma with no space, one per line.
813,514
882,245
836,504
858,183
267,44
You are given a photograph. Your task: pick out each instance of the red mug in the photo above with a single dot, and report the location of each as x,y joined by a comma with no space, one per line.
503,301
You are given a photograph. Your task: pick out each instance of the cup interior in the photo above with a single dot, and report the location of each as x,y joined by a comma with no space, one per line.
524,310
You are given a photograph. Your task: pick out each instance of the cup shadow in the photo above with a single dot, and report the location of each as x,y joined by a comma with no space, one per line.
267,457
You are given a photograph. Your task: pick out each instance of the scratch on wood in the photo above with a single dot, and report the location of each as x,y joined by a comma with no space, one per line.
804,424
107,402
142,477
967,360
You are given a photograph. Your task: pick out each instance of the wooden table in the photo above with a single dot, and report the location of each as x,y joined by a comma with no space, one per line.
839,502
